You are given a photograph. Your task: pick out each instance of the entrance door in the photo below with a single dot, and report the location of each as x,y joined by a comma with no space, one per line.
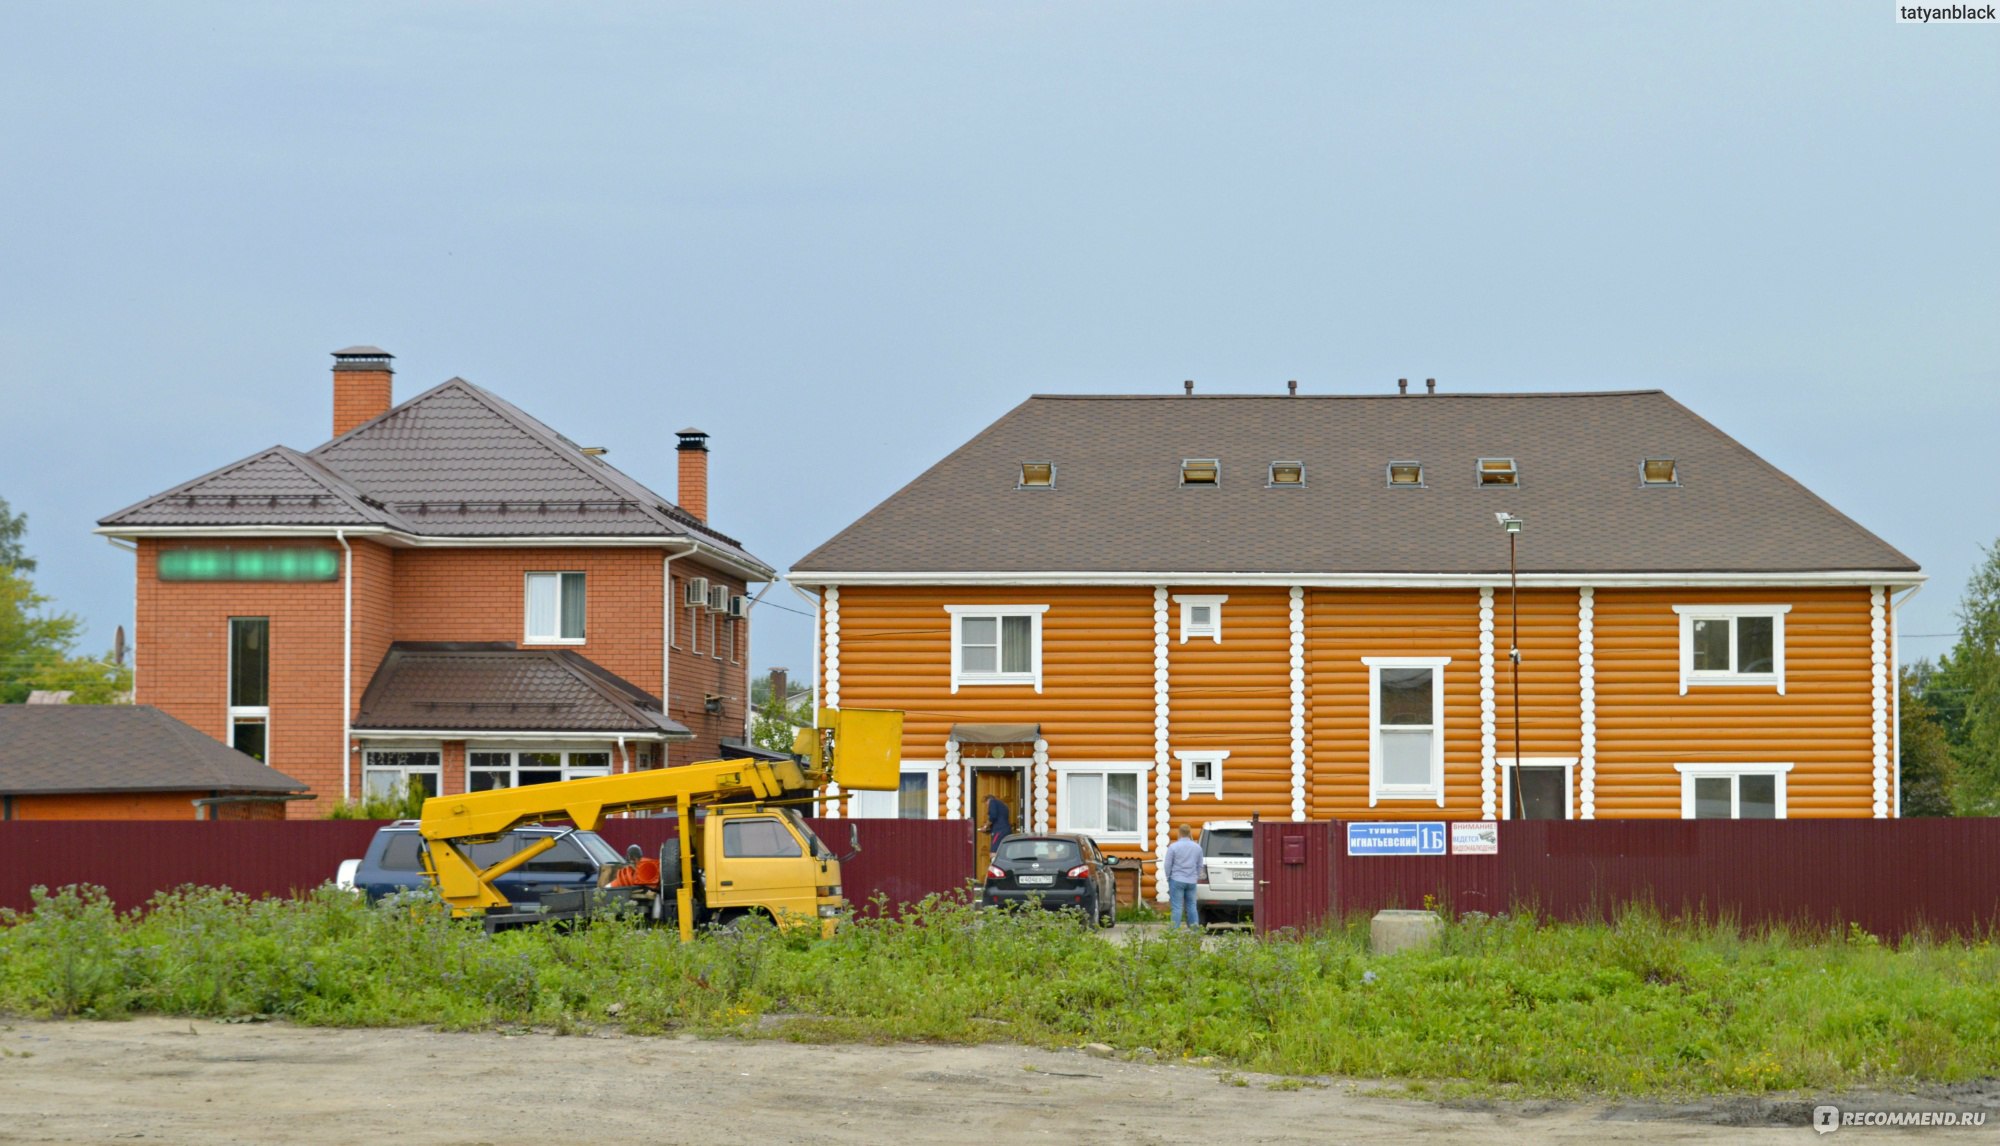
1004,782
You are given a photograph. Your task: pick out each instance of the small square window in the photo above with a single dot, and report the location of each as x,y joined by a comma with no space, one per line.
1201,773
1406,474
1498,471
1201,471
1659,471
1037,475
1201,616
1288,473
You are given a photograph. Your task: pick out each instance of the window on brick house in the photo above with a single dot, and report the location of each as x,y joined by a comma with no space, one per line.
555,608
391,772
250,686
673,623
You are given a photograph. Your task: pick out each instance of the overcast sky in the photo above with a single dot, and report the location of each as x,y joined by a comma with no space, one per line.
844,237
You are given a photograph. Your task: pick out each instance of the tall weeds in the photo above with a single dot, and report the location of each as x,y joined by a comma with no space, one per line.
1641,1005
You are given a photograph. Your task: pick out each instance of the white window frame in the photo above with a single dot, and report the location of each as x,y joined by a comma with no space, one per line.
248,714
528,637
1212,630
515,748
961,679
1190,786
1377,790
927,768
1506,766
1690,772
1689,614
1064,774
369,748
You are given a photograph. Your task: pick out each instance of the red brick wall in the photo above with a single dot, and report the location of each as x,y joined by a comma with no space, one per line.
697,672
181,654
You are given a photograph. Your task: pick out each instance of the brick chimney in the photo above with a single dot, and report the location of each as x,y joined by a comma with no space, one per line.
362,384
781,685
694,472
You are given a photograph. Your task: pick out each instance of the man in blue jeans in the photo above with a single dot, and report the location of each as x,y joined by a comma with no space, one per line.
1182,867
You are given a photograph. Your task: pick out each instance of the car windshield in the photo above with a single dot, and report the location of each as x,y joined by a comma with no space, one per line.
1225,843
819,848
595,847
1057,851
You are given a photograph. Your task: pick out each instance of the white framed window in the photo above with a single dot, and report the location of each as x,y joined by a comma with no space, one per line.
1201,773
1201,616
1733,791
388,771
1548,787
488,767
915,799
554,609
249,677
996,644
1732,644
1104,801
1405,728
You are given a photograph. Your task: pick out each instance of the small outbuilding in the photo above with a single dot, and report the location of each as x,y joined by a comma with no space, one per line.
128,762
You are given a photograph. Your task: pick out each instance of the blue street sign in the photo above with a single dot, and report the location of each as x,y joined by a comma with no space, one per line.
1397,838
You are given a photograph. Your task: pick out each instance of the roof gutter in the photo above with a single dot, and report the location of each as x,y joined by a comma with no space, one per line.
511,735
1900,579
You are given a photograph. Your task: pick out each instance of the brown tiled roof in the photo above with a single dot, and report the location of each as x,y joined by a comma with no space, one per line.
454,461
436,687
80,748
1118,507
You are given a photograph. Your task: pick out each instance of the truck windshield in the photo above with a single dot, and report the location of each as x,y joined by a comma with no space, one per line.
819,849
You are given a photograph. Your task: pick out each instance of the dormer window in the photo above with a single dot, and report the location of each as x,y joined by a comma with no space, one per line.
1659,471
1406,474
1037,475
1287,474
1201,471
1498,471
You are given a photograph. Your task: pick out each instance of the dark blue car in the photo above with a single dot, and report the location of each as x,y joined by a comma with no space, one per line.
394,863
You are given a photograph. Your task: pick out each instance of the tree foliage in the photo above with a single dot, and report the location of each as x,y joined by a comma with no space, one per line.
1951,710
12,527
37,644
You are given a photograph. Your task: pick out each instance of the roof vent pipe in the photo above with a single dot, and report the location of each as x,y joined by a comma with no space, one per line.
1189,385
1402,385
1292,388
1430,385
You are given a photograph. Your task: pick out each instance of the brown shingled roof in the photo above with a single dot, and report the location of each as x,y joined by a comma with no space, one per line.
437,687
81,748
1118,506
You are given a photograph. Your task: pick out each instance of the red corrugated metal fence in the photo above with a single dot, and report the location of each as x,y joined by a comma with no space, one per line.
1889,876
903,860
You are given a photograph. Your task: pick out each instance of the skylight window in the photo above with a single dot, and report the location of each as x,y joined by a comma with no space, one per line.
1037,475
1406,473
1288,473
1498,471
1659,471
1201,471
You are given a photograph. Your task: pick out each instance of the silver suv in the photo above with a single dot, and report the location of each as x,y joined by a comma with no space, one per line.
1228,889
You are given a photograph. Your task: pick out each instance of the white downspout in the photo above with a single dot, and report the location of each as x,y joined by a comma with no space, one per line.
624,756
1895,688
346,671
666,635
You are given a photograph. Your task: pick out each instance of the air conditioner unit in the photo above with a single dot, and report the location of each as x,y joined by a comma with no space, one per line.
694,591
718,598
739,605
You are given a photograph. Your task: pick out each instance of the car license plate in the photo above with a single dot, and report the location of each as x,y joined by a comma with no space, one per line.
1025,880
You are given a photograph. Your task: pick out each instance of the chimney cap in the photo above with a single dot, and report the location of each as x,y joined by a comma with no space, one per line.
363,352
1188,386
692,439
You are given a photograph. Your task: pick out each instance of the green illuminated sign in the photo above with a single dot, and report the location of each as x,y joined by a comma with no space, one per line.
249,565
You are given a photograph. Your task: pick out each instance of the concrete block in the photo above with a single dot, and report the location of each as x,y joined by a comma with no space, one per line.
1393,931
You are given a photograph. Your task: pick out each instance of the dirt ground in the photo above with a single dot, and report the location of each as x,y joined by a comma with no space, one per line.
172,1080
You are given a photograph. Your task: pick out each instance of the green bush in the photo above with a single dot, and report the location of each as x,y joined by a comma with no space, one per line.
405,805
1642,1005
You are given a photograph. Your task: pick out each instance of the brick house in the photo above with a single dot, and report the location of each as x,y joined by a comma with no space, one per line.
447,590
1121,613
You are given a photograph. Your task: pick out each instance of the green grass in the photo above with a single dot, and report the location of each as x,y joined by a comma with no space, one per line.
1642,1006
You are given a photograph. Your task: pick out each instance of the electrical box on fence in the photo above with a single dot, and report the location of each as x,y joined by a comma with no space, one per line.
867,747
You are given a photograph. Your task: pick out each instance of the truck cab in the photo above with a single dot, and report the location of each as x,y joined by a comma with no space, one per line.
756,860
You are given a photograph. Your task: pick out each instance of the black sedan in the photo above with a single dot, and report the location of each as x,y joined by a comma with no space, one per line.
1059,872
